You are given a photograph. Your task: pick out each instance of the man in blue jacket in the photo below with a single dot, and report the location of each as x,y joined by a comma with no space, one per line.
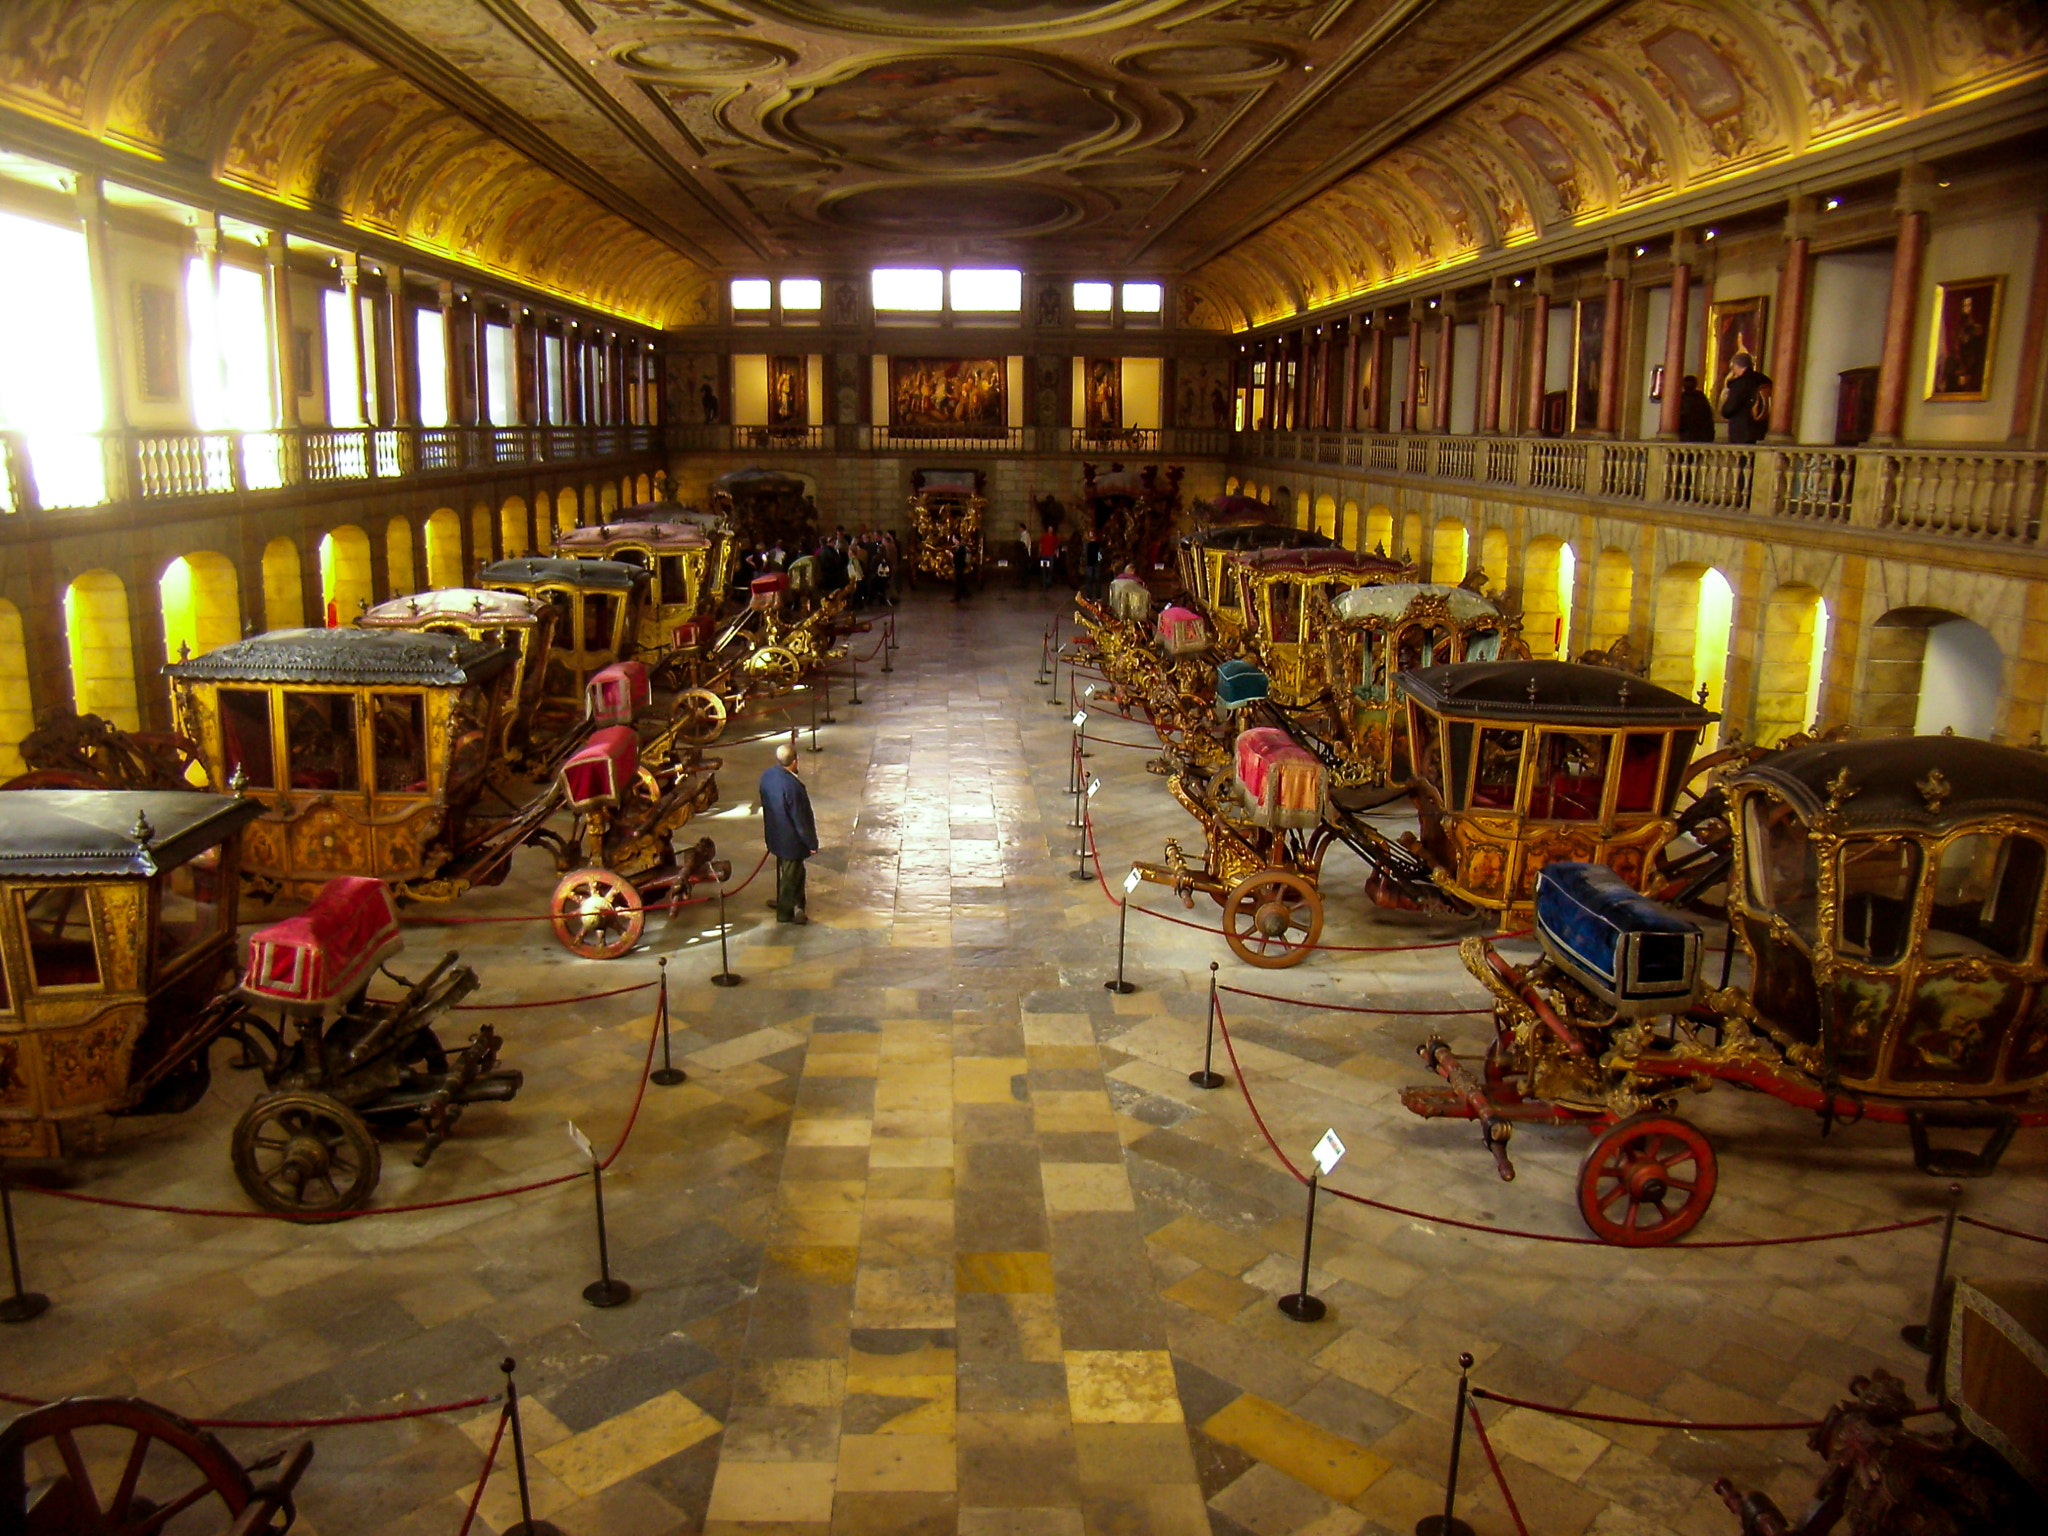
791,833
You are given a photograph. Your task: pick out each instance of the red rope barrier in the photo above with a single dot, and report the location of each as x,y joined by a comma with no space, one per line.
337,1421
1399,1013
1732,1425
490,1460
551,1002
1499,1477
1992,1226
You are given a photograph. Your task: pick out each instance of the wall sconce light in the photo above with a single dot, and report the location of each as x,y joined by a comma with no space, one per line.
1833,203
1518,282
1641,249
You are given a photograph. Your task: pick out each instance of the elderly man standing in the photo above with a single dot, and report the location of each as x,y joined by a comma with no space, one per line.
791,833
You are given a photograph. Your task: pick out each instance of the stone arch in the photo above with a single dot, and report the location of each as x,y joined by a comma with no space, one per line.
1691,621
1350,525
1230,485
1449,549
1614,585
1789,667
1326,515
398,563
284,589
444,548
17,706
1379,530
201,597
565,508
102,652
1549,567
643,490
1283,502
607,499
1495,553
482,536
1412,547
345,583
514,528
1930,670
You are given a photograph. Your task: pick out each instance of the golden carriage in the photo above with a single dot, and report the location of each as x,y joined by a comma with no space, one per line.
523,625
600,603
1201,558
690,566
945,505
1277,592
1886,917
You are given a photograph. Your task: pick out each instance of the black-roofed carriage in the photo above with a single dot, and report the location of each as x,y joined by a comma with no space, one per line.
1886,915
689,562
599,604
524,625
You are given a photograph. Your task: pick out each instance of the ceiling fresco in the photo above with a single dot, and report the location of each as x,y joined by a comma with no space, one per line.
1274,154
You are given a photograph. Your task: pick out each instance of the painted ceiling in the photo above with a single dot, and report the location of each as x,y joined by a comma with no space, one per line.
1279,154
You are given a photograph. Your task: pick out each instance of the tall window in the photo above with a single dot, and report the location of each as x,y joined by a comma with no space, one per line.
232,379
986,290
431,350
499,386
55,399
344,400
552,348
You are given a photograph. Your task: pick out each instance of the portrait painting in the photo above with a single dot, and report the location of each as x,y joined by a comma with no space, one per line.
788,392
947,396
156,352
1589,338
1103,387
302,360
1965,327
1734,325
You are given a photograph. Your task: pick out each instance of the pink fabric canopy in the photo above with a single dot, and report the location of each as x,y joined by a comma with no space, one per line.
1283,782
328,950
620,693
600,772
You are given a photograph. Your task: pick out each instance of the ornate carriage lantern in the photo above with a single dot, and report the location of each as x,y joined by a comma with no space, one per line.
524,625
690,566
601,602
1521,764
117,917
1277,595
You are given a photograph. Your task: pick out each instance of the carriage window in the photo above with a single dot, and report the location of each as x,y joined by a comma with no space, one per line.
399,743
320,740
1641,756
245,736
1428,764
1484,645
189,909
57,922
1784,875
1878,880
598,613
1459,733
1570,774
1985,888
675,586
1500,765
1283,604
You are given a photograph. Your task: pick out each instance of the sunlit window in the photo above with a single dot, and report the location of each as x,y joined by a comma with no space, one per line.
1143,298
909,288
1093,298
55,398
231,365
552,346
750,293
498,382
344,400
432,349
802,293
986,290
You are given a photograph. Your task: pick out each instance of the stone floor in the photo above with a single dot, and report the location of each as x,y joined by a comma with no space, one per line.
938,1236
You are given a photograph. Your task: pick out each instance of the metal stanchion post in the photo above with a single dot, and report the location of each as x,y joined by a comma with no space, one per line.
726,976
1921,1336
1055,699
812,690
23,1306
1208,1077
527,1526
1301,1306
854,662
1044,657
1080,871
889,643
1448,1523
668,1074
1081,713
1123,921
827,718
604,1291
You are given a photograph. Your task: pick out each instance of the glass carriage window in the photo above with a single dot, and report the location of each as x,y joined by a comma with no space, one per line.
57,922
1283,608
189,909
1878,879
398,743
245,736
6,997
320,740
1428,761
1641,756
598,617
1571,772
1500,765
1784,875
1985,888
675,585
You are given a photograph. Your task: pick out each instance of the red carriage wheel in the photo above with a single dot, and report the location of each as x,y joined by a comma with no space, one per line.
1648,1180
597,914
700,716
1273,918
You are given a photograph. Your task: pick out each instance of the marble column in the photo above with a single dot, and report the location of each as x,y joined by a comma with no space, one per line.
1683,253
1901,317
451,356
1347,415
1411,419
405,381
1539,353
1613,343
1494,352
1788,337
277,255
352,295
90,200
1376,386
1446,351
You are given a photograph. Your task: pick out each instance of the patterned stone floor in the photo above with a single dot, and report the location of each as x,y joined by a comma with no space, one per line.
939,1237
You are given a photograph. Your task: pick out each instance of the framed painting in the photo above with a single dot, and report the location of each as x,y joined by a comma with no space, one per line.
1589,341
302,360
1734,325
156,351
1103,384
788,392
948,396
1965,329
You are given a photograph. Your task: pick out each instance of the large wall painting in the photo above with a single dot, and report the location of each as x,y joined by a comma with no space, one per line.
948,396
1103,393
788,392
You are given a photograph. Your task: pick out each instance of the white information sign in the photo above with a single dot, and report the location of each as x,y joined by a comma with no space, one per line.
1093,785
1329,1151
582,1142
1131,882
1080,718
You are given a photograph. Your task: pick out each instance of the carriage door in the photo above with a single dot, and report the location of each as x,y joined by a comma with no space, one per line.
329,834
402,778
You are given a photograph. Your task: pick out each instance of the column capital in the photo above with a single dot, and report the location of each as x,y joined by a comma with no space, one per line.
351,269
1616,267
1498,291
1418,310
1917,186
444,294
1685,251
1540,283
1802,210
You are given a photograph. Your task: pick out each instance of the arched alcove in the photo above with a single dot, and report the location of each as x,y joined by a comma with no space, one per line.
1494,554
1691,621
17,709
201,598
1379,531
1350,525
1449,548
1789,664
1614,582
1230,483
1412,547
1326,515
345,586
483,546
444,548
398,562
513,537
565,509
102,654
643,490
607,499
1549,567
1930,670
284,591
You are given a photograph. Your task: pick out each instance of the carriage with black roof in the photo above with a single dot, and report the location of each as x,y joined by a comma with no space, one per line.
1884,964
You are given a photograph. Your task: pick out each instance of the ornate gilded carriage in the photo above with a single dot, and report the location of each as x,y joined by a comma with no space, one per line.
946,504
523,625
1520,764
367,747
1201,558
689,569
1278,591
600,604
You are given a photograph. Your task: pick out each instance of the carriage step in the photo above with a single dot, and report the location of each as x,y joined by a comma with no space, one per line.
2000,1125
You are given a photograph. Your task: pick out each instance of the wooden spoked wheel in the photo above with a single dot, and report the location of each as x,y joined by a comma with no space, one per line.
1273,918
700,716
117,1466
773,667
1648,1180
305,1154
597,914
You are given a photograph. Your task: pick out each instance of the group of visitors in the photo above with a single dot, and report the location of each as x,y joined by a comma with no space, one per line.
870,561
1745,404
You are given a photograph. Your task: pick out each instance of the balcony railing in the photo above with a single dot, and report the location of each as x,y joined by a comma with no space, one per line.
1989,495
50,472
1134,442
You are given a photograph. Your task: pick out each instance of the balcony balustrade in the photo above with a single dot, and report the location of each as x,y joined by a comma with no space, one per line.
1128,443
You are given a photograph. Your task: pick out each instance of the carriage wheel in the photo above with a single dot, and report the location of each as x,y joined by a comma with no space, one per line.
1647,1180
137,1469
305,1154
773,667
597,914
700,716
1273,918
